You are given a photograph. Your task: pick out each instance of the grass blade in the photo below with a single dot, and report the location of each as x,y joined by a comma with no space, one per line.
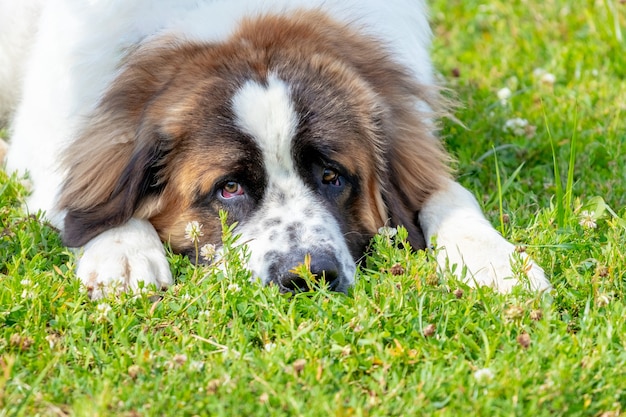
560,211
499,182
569,189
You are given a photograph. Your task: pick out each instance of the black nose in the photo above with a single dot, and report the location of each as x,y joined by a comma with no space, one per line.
323,267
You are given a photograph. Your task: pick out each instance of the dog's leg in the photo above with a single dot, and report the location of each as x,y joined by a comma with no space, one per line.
120,258
466,239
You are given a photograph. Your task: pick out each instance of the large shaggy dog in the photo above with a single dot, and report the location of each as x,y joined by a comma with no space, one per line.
310,122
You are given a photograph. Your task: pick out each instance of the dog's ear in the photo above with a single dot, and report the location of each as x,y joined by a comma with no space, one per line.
416,163
113,165
134,177
407,189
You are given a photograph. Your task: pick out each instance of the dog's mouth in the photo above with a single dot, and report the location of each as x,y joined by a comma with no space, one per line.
298,283
295,272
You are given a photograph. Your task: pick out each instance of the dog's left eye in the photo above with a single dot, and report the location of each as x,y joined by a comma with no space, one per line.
232,189
331,177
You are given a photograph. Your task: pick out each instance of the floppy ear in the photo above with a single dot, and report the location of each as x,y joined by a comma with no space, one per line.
113,164
132,184
416,163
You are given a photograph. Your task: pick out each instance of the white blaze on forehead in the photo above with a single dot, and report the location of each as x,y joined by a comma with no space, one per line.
266,113
291,220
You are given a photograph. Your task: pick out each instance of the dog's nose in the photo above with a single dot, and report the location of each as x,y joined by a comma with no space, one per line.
325,268
322,267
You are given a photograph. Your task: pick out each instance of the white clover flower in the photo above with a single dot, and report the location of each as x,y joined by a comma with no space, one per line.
208,251
387,231
103,310
28,295
604,300
483,375
548,79
179,359
504,94
587,219
196,366
193,231
269,346
52,339
204,313
544,76
519,127
234,287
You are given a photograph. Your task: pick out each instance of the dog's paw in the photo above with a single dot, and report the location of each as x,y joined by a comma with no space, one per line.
468,245
121,258
489,259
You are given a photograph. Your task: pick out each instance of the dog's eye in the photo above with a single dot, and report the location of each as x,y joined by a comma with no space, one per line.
331,177
232,189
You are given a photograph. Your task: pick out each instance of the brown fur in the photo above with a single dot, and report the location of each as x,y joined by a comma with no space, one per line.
159,139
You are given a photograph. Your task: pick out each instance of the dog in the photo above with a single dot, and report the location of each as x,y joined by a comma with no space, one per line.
311,123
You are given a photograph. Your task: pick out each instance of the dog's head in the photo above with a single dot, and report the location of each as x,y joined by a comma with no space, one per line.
302,129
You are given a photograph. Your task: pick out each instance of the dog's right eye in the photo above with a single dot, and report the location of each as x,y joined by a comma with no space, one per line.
232,189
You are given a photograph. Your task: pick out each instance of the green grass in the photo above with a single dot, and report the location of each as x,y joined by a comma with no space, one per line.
406,340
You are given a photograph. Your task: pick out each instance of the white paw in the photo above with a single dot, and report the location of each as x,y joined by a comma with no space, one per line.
488,259
120,258
470,247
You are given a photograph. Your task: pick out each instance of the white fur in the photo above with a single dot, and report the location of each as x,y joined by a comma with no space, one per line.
79,44
74,48
267,114
120,258
466,239
17,28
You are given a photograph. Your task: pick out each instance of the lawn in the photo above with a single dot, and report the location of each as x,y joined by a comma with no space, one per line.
542,94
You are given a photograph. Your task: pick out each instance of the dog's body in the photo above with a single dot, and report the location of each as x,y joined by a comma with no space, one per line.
310,122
